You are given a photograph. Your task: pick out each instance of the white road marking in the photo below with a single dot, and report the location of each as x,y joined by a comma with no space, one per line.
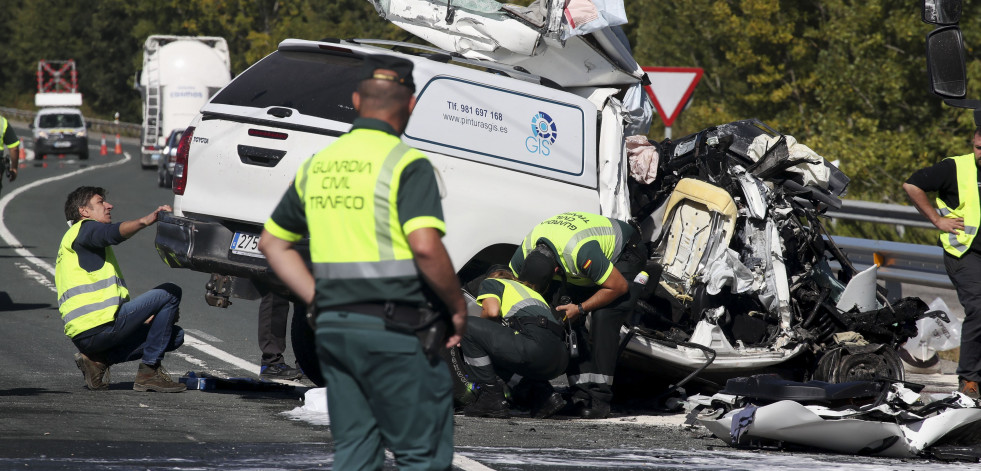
203,335
38,277
220,354
46,267
467,464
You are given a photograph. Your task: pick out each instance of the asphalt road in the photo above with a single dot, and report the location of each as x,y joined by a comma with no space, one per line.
48,420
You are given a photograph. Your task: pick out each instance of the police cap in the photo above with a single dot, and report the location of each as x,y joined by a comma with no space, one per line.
402,68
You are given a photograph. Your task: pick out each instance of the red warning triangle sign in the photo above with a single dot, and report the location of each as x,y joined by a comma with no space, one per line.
670,89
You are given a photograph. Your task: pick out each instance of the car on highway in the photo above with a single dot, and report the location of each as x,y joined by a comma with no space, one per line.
165,164
60,131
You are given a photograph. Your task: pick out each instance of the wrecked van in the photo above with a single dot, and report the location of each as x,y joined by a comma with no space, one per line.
524,117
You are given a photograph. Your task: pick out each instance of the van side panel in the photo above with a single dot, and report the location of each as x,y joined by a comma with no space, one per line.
551,136
485,205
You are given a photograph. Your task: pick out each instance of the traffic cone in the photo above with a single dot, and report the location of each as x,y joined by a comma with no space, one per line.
119,147
102,148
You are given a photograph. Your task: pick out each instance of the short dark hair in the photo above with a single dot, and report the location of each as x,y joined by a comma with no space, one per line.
977,131
539,266
80,198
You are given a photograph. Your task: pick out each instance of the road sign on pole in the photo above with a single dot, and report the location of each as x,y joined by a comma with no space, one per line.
670,89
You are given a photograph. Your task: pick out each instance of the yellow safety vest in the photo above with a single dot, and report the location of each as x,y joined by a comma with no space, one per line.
87,299
354,227
517,296
968,208
3,130
568,232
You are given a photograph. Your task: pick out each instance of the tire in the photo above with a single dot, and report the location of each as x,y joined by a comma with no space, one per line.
161,181
305,347
84,155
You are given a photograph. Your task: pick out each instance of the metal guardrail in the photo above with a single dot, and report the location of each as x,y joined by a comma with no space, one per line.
95,125
882,213
899,262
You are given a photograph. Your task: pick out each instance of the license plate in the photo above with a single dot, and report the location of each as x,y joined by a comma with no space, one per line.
247,244
62,144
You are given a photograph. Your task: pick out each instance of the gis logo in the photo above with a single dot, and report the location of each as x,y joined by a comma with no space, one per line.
543,134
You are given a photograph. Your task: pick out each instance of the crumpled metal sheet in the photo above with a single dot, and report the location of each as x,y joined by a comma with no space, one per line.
851,431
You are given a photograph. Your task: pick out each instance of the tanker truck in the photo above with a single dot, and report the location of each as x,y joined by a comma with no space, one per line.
179,75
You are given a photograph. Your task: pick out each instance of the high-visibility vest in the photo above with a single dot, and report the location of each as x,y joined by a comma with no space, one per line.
568,232
354,227
87,299
517,296
3,130
968,207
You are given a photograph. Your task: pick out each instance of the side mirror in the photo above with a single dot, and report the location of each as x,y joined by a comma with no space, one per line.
946,66
941,12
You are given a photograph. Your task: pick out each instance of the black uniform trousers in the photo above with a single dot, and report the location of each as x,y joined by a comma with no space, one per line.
274,313
491,350
591,374
965,273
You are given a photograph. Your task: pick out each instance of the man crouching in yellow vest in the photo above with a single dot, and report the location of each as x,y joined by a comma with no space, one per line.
103,322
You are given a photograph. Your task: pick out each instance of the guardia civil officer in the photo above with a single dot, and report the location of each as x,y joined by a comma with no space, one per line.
375,246
956,181
516,338
592,257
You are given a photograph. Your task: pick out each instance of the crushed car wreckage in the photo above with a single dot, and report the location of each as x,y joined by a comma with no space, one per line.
872,418
742,279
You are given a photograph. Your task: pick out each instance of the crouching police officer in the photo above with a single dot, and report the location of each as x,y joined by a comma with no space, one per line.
593,256
515,338
371,262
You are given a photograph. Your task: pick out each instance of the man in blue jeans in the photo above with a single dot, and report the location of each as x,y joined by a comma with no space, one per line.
103,322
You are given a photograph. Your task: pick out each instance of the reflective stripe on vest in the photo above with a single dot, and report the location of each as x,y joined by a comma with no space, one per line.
517,296
358,195
604,230
969,207
87,299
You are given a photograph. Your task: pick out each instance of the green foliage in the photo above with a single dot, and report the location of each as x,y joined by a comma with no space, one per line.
105,38
845,77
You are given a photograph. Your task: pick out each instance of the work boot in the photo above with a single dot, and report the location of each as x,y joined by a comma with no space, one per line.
280,371
490,403
596,410
155,378
96,373
969,388
549,407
